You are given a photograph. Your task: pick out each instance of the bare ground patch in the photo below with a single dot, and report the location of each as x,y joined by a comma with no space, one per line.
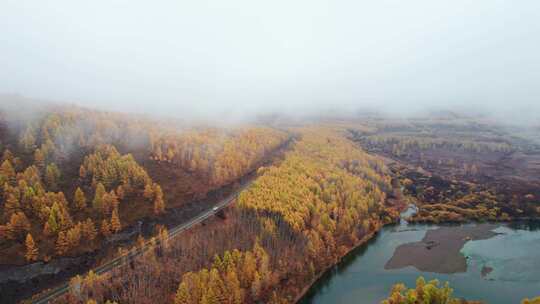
439,250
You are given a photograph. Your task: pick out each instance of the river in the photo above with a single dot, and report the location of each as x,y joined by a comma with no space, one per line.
502,269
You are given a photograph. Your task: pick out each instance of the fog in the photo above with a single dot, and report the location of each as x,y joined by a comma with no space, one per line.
239,57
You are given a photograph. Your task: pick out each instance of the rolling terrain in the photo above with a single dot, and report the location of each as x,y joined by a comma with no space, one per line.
100,206
79,184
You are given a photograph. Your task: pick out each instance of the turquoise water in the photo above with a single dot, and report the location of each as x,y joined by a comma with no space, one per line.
514,256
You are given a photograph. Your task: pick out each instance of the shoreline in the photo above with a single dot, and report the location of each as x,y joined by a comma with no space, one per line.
370,236
361,242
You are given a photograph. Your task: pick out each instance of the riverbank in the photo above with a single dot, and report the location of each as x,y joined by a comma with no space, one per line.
433,239
361,242
361,277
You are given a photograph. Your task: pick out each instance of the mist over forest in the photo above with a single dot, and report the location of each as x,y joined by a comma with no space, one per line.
280,152
230,60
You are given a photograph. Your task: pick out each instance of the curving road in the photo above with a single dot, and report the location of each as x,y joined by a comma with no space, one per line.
121,260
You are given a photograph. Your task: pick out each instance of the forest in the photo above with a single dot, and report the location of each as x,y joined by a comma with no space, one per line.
249,152
459,169
76,180
222,157
331,198
71,178
431,293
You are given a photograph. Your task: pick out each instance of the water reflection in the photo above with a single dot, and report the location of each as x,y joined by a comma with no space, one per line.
525,225
514,256
518,262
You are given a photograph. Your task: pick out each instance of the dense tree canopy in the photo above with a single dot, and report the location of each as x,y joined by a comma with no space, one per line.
295,220
72,177
223,156
36,171
424,293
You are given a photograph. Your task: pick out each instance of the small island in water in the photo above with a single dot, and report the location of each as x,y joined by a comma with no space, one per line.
440,249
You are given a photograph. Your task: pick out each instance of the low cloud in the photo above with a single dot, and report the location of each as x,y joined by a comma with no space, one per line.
229,60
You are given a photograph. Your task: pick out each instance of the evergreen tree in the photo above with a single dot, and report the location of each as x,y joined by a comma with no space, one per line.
105,228
89,229
7,173
28,196
79,199
113,199
12,204
39,160
97,203
52,175
233,287
31,249
7,155
159,204
115,222
148,191
256,286
425,293
60,214
164,238
18,226
106,207
182,294
249,269
110,202
217,287
28,140
52,221
47,231
62,244
73,236
120,192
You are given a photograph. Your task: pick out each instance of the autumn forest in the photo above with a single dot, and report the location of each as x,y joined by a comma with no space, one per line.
129,208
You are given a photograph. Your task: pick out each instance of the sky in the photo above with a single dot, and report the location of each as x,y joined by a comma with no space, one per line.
237,57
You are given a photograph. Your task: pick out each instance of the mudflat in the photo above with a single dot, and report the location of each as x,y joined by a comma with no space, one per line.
439,250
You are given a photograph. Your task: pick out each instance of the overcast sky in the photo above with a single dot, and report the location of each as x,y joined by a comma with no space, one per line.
234,56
